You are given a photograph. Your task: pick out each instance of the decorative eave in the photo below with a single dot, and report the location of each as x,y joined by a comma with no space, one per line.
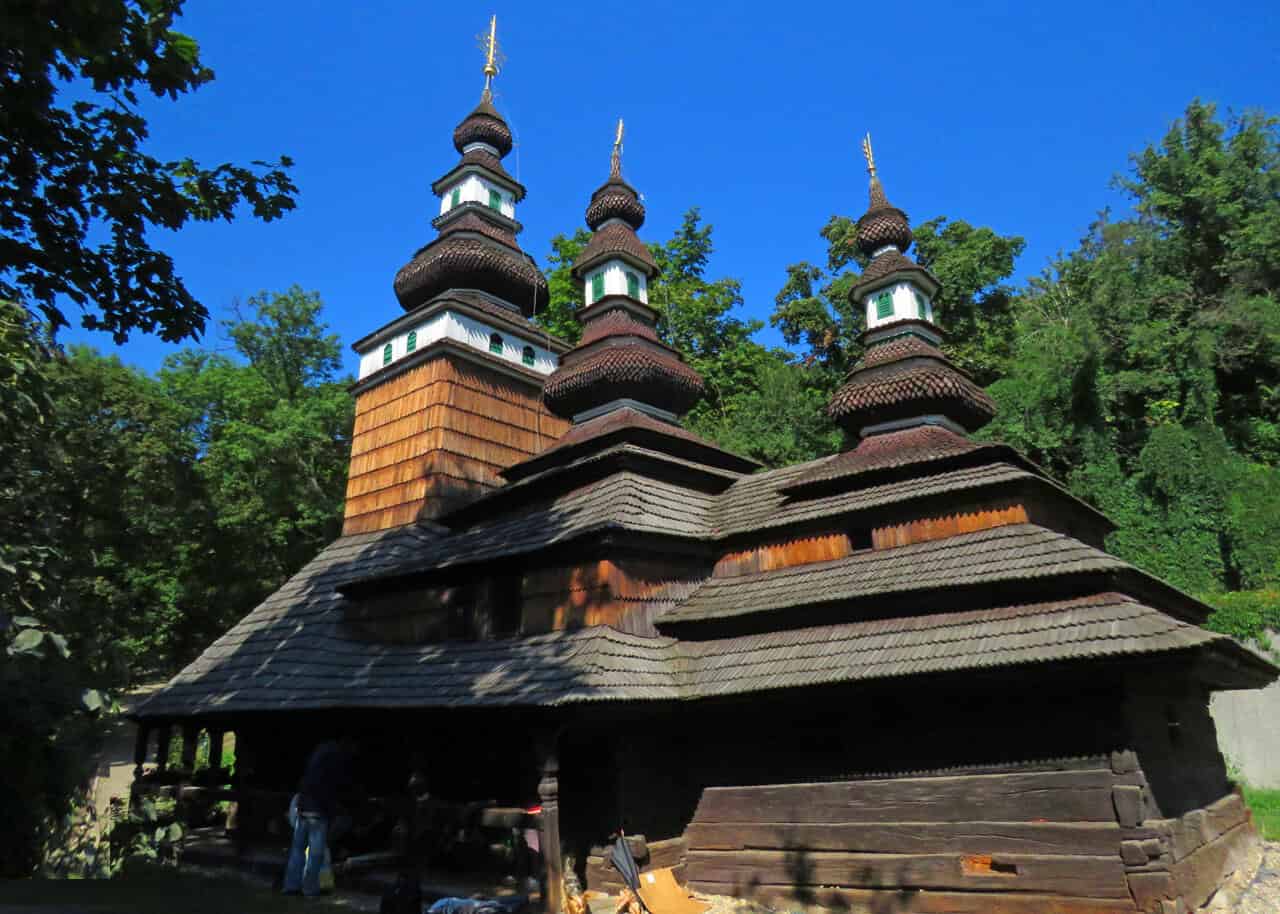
487,167
634,427
448,346
501,314
615,240
486,215
889,268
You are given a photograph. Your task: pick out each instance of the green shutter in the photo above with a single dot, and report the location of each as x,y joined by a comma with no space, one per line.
922,307
597,286
495,344
455,197
884,305
633,285
527,356
495,200
412,342
386,354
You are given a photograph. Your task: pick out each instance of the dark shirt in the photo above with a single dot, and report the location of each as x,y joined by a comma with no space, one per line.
326,779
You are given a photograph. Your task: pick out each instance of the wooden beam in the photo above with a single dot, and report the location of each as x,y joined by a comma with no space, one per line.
549,794
1088,838
1062,796
1072,876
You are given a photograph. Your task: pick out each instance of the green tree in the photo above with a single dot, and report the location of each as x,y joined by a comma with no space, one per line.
559,318
1146,361
74,169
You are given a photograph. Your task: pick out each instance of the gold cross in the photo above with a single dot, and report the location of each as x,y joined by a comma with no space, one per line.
615,160
869,155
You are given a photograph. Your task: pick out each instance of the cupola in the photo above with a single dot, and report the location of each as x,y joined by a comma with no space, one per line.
476,247
903,380
619,362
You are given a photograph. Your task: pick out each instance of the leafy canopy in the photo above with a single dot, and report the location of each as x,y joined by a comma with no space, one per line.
78,194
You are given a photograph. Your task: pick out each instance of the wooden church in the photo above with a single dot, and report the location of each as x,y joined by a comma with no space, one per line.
907,677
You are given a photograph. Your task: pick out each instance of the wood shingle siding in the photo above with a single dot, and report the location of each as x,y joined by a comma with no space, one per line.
454,425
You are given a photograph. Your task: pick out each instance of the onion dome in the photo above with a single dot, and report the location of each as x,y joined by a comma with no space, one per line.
476,247
620,362
483,125
904,379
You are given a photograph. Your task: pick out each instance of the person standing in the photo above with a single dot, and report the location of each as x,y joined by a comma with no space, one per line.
326,780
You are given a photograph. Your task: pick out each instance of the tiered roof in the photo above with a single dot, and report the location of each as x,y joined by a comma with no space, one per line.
627,479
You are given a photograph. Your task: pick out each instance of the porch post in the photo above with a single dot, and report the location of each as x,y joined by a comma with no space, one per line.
162,747
215,747
190,739
141,742
549,794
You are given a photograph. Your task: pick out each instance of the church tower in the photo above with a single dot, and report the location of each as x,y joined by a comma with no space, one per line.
450,393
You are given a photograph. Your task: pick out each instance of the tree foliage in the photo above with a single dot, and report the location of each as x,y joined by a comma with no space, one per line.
1145,362
78,193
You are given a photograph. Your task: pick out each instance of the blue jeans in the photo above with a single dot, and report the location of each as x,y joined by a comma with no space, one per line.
308,853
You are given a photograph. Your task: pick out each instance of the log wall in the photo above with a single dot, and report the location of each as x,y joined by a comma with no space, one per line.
1000,842
1080,841
435,436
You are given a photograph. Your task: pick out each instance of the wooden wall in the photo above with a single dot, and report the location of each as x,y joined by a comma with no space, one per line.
935,526
784,554
1006,843
624,592
434,436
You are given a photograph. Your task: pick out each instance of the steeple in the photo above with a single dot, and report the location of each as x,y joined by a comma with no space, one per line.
477,247
903,380
619,363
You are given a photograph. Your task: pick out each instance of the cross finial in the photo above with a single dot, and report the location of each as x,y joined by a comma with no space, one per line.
869,155
615,160
492,55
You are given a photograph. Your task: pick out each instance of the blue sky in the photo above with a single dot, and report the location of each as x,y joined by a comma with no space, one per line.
1011,115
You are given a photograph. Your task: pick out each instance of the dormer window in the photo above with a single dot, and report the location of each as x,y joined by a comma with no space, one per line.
495,200
386,354
455,197
884,306
633,285
597,286
527,356
495,343
412,342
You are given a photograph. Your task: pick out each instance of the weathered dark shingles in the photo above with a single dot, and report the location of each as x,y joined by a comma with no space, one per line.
756,503
1014,552
1091,627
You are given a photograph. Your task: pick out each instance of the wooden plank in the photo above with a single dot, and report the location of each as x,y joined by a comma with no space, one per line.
1102,877
933,527
922,902
1088,838
1198,876
1062,796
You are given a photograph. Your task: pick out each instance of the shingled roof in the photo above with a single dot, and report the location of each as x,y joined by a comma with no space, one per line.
1014,552
1093,627
291,653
